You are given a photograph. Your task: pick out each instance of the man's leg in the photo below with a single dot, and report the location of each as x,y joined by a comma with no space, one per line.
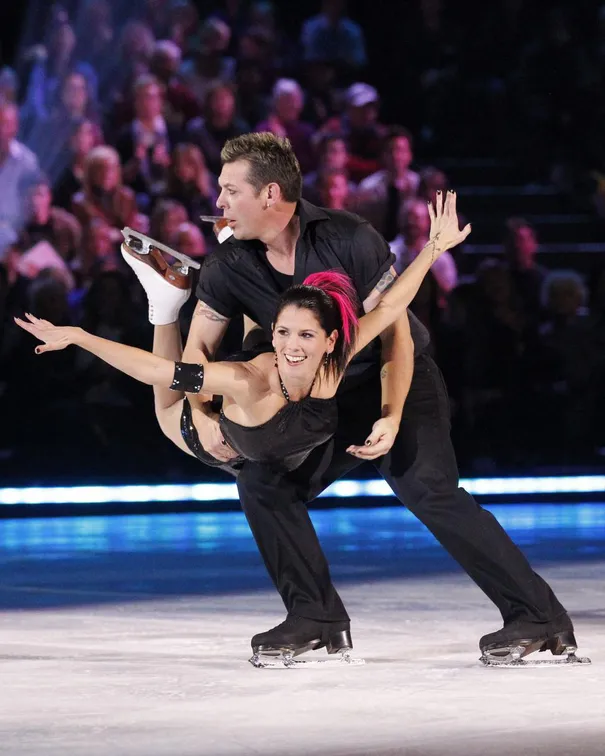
287,541
276,508
422,471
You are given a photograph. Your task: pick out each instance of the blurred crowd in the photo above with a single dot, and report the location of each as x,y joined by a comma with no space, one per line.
122,123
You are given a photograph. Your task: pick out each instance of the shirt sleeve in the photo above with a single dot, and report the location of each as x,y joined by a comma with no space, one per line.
213,288
370,259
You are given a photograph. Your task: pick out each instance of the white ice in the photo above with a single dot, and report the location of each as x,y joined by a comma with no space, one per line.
123,673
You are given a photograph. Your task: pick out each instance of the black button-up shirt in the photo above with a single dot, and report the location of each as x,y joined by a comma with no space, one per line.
236,279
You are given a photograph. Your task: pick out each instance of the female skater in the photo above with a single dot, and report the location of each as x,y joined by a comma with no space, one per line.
315,334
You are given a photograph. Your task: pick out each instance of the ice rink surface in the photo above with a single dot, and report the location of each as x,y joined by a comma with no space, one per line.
129,636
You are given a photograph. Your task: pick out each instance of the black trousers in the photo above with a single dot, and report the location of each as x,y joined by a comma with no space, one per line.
421,469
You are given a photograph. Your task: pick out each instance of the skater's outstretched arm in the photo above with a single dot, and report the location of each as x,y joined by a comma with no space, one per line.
393,302
237,380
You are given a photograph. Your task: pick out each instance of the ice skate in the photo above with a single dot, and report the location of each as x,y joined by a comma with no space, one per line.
280,646
220,226
144,245
509,646
167,286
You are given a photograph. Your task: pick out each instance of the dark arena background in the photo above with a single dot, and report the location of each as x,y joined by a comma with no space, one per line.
130,581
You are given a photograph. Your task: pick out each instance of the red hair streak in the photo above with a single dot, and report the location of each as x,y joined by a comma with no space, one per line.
340,287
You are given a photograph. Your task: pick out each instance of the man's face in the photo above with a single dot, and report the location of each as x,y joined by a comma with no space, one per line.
222,106
9,126
148,102
75,93
363,116
336,155
106,175
288,106
417,221
40,199
240,203
398,154
84,139
164,65
335,191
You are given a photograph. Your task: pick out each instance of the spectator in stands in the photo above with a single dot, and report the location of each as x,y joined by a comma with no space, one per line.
9,85
191,184
44,222
100,251
362,130
322,97
180,104
254,91
520,250
210,65
85,135
190,241
18,170
145,144
284,121
50,137
134,51
382,194
49,68
432,180
219,123
332,35
165,219
103,195
109,401
414,226
567,364
95,37
332,155
334,192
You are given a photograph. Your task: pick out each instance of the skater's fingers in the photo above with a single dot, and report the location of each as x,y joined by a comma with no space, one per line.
22,324
29,327
450,204
438,205
366,452
374,437
431,211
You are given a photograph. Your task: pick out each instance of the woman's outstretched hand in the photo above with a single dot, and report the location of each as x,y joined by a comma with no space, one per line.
445,232
53,337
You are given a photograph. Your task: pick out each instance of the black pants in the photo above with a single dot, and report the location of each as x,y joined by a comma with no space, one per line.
421,469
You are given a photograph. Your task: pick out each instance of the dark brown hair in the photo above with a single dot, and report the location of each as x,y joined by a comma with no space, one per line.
331,297
271,160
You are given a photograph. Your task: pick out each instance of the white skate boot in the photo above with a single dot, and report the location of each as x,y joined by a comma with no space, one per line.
167,286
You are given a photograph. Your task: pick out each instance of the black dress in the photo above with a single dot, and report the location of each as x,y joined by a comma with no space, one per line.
283,442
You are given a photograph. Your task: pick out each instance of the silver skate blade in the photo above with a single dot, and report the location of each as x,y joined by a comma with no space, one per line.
511,660
211,218
286,660
147,241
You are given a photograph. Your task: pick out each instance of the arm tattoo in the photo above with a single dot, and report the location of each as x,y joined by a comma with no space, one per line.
385,282
202,309
383,372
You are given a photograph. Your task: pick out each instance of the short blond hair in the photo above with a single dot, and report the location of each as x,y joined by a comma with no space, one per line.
96,159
